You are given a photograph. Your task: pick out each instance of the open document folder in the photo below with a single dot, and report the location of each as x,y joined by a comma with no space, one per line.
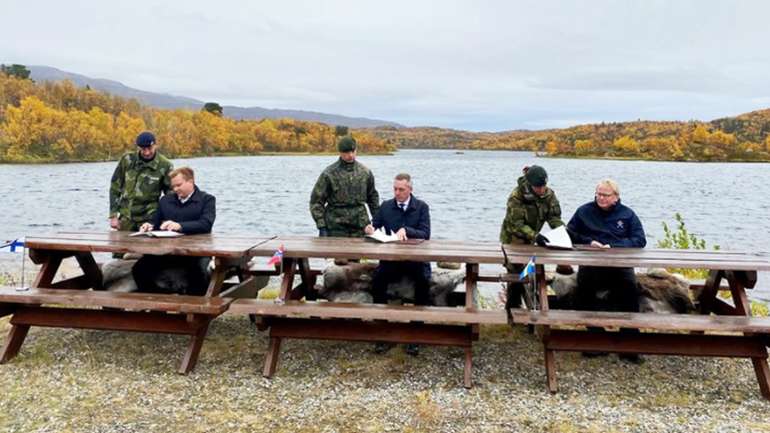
380,235
556,238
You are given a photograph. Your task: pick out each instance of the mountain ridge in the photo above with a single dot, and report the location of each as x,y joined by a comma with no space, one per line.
168,101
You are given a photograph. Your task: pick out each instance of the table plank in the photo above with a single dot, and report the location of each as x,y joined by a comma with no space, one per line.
220,245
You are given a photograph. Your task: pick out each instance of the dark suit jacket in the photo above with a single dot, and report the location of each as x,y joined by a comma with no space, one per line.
415,219
196,215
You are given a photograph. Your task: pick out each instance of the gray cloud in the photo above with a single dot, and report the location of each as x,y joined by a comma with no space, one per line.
492,65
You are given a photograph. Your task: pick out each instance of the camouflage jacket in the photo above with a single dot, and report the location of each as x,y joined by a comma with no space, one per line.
339,195
136,186
527,212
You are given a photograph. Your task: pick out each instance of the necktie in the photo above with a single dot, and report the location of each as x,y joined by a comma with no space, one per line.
402,206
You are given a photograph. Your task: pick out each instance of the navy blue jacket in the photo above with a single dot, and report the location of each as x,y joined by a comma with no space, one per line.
617,227
196,215
415,219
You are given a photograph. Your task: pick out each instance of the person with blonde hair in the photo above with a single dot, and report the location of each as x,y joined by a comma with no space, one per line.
605,222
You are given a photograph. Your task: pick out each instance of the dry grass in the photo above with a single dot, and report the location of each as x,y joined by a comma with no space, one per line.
91,381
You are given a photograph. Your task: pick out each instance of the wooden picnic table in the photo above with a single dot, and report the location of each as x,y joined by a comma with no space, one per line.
447,328
739,269
132,312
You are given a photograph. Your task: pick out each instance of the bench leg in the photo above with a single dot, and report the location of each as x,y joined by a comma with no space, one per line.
271,359
193,350
468,377
16,338
550,371
763,376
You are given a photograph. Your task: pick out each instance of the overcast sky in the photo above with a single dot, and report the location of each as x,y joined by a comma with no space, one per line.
477,65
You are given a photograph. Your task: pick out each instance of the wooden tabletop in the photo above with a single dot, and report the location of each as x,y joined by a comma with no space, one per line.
357,248
240,245
218,245
491,252
642,258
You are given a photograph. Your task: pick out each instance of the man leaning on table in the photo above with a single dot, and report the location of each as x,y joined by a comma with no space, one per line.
409,218
530,205
605,222
187,210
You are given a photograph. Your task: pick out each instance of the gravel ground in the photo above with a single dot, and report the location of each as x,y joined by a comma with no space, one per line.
92,381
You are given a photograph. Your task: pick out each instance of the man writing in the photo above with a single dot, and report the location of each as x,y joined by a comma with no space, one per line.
187,210
409,218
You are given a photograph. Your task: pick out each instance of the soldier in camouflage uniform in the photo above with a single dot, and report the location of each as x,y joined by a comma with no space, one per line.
137,183
338,198
530,205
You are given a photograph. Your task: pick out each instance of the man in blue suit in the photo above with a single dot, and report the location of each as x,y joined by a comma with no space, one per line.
409,218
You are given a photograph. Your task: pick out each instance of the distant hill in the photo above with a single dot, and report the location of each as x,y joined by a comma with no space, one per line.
162,100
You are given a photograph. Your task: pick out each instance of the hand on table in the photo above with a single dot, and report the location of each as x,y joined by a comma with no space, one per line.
146,227
369,229
598,244
401,233
171,226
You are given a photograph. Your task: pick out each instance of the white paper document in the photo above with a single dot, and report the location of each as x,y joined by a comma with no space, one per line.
557,238
158,234
380,235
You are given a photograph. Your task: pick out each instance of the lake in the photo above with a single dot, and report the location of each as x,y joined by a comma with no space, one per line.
467,193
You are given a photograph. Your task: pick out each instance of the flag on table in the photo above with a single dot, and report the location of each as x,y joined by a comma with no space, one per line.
12,245
277,256
529,269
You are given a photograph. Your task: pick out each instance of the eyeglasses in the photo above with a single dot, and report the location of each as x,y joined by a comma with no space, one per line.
603,195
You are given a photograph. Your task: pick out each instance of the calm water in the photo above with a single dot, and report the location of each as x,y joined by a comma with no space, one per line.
722,203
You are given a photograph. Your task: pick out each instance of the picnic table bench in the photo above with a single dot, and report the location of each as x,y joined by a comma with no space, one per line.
721,329
452,326
79,302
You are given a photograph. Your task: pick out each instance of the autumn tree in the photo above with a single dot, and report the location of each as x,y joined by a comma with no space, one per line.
15,70
213,108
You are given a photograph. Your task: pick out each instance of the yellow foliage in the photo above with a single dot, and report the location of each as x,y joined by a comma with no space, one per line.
61,122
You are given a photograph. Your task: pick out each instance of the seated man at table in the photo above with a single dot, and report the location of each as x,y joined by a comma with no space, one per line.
187,210
409,218
607,223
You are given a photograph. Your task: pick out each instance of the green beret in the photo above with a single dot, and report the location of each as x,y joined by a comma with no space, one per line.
346,144
536,176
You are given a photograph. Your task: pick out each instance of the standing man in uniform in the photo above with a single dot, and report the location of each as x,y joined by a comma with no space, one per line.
137,183
340,193
530,205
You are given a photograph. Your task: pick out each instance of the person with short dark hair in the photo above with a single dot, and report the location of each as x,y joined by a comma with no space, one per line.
339,197
409,218
531,204
187,210
137,182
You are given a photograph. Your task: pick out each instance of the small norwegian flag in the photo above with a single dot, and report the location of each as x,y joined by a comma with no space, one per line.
277,256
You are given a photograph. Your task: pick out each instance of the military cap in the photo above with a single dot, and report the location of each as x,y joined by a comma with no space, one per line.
536,176
145,139
346,144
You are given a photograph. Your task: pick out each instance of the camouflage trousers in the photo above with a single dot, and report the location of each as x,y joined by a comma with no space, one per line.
345,232
514,290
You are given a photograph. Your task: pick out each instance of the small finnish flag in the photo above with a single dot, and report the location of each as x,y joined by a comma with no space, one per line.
529,269
13,245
